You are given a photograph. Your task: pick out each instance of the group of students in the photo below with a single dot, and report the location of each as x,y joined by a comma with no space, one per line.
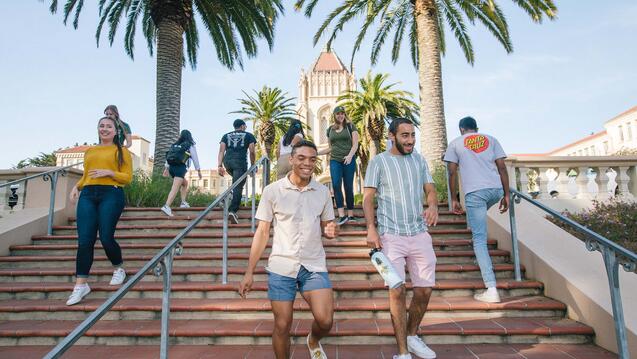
301,211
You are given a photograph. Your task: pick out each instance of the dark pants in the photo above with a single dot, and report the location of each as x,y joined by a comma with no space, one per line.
98,209
236,169
343,176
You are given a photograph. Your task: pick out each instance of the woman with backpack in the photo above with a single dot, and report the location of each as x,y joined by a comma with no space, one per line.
293,135
342,138
123,133
178,159
99,194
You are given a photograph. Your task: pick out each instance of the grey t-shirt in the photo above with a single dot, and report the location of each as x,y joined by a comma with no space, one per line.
476,153
399,181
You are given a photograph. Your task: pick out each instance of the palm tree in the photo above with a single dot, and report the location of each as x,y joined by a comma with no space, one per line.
271,110
423,22
370,107
234,26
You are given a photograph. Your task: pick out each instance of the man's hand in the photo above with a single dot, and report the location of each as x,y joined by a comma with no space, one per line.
199,172
330,230
431,216
165,173
504,203
373,239
75,194
456,207
245,286
100,173
221,171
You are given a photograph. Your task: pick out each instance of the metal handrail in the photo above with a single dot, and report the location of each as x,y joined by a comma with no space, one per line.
161,264
52,176
612,253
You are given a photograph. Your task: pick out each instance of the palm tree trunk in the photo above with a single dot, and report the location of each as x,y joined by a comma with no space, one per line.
168,88
433,132
374,149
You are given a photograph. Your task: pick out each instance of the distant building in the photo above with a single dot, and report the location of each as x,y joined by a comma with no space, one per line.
620,133
140,151
212,183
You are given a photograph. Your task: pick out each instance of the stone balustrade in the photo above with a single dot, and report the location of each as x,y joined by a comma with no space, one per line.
574,177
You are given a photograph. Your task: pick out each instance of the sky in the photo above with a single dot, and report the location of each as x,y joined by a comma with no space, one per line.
564,79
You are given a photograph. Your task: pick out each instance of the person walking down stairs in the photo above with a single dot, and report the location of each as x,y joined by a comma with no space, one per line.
299,208
99,194
178,159
399,178
485,182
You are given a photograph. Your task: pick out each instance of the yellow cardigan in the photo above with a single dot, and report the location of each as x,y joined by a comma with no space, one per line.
105,158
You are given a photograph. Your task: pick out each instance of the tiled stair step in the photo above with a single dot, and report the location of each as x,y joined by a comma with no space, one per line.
202,273
299,351
245,235
232,309
207,289
126,227
142,211
148,247
193,259
259,331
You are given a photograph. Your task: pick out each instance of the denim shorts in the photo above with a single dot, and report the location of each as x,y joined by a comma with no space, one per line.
284,288
177,171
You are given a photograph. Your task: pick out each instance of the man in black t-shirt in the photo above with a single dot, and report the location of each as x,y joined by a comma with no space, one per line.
233,150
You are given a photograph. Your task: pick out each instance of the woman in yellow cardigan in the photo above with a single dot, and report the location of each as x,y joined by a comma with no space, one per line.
107,169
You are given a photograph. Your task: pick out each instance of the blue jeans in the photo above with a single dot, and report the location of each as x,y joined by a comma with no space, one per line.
477,203
343,176
98,209
284,288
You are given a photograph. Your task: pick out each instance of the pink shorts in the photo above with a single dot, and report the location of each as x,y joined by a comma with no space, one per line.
416,252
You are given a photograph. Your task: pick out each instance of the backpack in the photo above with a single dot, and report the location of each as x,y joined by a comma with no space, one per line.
178,154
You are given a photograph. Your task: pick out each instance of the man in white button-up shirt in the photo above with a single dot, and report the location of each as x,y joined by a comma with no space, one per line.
300,209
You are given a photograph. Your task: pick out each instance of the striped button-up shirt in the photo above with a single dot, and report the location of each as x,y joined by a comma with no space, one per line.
399,181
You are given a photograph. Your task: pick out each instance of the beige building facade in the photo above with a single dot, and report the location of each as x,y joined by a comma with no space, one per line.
211,182
140,151
620,133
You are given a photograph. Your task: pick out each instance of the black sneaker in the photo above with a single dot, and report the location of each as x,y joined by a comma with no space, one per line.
352,219
232,217
341,221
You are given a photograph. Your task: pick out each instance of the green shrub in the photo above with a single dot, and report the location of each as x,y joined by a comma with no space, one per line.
615,220
151,191
440,181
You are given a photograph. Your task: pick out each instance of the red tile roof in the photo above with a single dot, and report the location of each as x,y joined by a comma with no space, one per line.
630,110
76,149
595,135
329,61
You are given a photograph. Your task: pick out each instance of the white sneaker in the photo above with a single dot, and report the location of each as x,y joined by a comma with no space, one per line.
316,353
489,296
184,204
402,356
418,347
118,276
79,292
167,210
232,217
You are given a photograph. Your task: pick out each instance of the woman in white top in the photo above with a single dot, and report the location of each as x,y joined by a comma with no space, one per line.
181,154
291,137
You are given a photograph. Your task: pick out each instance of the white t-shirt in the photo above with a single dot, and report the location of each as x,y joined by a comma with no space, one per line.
475,154
286,150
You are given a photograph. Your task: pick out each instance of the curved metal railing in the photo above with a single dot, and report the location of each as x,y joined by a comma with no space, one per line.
613,254
52,177
161,265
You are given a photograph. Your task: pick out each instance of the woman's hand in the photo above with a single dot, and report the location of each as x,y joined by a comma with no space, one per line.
100,173
348,159
75,194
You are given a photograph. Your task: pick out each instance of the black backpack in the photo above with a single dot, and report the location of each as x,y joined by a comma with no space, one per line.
178,154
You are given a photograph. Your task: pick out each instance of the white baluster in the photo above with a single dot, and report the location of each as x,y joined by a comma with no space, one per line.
591,185
582,183
543,180
512,176
563,180
622,181
524,180
602,178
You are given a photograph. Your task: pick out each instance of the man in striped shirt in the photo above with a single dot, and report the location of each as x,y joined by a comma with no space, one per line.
399,178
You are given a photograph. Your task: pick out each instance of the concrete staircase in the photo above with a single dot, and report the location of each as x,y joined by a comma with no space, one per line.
209,319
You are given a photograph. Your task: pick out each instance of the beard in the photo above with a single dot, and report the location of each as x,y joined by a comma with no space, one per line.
401,148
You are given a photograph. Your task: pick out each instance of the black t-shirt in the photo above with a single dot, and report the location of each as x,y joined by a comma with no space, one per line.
237,143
